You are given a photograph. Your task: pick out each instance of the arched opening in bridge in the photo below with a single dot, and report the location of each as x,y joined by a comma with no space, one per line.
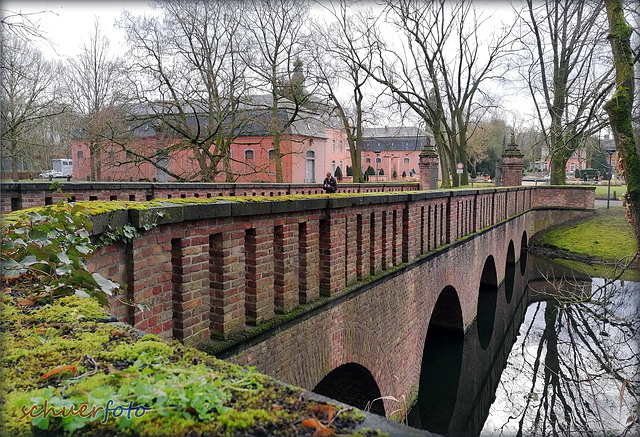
524,244
487,301
352,384
509,272
441,365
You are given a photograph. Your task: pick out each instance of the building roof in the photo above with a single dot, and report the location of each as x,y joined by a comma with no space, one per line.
399,138
253,118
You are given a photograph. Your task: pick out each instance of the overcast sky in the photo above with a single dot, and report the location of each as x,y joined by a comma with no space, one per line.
66,24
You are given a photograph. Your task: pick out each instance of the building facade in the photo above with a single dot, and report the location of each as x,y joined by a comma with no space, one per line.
310,146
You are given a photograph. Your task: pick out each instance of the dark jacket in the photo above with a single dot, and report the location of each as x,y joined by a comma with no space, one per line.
330,185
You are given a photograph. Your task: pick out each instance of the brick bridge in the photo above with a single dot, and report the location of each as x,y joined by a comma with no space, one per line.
339,295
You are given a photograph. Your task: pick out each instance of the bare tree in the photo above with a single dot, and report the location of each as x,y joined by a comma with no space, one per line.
567,72
22,25
29,95
440,70
190,78
343,47
94,84
278,41
620,106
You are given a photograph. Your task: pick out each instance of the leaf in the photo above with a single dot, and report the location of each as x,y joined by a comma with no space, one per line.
324,432
106,285
63,270
70,368
312,423
327,412
85,250
64,258
24,302
82,294
118,334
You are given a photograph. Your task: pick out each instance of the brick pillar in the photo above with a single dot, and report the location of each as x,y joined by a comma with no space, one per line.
285,281
227,274
398,235
332,254
412,231
428,164
363,246
309,257
387,239
259,299
512,165
151,264
351,244
375,242
191,300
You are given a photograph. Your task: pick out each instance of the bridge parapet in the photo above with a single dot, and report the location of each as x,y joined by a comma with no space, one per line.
21,195
219,269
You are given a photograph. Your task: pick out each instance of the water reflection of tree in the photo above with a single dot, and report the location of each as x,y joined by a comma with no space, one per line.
577,370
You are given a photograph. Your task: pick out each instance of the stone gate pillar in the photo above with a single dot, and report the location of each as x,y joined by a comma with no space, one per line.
428,165
511,166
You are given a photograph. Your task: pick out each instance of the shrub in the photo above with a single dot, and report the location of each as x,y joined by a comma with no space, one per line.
338,173
52,245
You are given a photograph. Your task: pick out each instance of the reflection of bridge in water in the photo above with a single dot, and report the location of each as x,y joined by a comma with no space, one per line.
348,297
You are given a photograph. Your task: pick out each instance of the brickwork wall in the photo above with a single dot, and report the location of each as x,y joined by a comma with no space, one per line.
199,276
217,269
31,194
384,328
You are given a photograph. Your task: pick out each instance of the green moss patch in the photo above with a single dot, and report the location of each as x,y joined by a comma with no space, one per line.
61,354
607,236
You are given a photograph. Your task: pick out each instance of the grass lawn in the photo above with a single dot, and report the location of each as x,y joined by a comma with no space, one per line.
607,235
616,191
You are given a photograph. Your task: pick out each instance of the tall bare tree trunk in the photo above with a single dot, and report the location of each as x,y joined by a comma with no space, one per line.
620,106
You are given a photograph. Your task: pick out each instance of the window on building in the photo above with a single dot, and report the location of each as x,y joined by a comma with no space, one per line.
310,167
80,154
340,147
368,160
378,160
248,155
406,160
272,155
333,146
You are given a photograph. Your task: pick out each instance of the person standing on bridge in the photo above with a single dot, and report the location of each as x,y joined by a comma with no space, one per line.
330,185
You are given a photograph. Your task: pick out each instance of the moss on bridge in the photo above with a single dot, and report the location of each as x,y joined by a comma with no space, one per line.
67,353
62,351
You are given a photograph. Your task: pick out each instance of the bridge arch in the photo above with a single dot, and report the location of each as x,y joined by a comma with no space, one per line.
441,364
524,245
509,271
487,302
352,384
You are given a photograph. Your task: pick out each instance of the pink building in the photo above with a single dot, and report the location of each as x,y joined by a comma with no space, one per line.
310,147
393,150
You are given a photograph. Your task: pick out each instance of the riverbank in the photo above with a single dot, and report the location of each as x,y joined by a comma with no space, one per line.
603,245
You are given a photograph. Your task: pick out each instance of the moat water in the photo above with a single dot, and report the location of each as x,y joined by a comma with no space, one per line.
552,353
